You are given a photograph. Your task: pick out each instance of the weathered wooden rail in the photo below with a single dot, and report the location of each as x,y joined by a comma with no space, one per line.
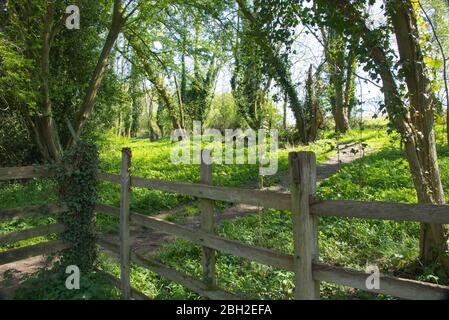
33,250
46,247
305,210
43,248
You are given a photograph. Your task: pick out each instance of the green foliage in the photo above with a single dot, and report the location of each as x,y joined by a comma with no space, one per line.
384,175
250,81
355,243
49,284
73,57
37,192
223,113
16,146
312,112
437,11
78,187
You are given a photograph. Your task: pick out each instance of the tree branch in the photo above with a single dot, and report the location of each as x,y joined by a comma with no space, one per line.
95,82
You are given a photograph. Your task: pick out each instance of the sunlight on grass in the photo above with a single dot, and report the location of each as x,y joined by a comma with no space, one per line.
382,175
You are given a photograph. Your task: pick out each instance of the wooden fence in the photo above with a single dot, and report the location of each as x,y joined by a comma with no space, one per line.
305,208
48,247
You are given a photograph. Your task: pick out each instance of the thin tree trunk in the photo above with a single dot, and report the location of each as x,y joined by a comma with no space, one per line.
149,109
159,117
337,60
349,85
119,128
341,120
47,134
158,83
284,122
95,82
180,103
281,73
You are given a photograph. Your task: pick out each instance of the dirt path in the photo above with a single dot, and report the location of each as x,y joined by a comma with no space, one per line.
12,274
347,154
147,241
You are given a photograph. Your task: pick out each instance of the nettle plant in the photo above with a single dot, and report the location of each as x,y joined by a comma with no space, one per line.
76,175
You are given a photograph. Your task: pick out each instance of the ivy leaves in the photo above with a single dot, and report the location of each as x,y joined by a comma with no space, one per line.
76,175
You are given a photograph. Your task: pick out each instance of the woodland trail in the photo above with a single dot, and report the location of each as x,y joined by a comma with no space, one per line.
146,241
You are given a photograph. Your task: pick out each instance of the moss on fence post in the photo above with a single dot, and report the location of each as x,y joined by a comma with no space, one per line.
78,186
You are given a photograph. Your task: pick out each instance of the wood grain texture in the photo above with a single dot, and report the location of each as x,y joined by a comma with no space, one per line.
18,173
173,275
396,287
32,211
125,242
31,233
409,289
261,255
262,198
207,223
305,227
32,251
438,214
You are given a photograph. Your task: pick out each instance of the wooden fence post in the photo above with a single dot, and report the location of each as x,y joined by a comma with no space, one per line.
125,245
302,167
207,222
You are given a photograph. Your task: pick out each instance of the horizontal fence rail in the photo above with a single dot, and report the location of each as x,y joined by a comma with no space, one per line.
396,287
401,288
205,237
42,248
267,199
171,274
426,213
18,173
33,211
438,214
32,251
32,233
379,210
261,255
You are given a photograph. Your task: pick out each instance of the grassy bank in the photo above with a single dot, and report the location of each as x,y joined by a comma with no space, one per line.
382,175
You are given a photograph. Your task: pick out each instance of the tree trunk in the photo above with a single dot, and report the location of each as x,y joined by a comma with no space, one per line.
95,82
180,103
159,122
349,85
284,119
416,126
340,115
41,123
339,62
119,127
47,136
158,83
433,241
149,110
279,69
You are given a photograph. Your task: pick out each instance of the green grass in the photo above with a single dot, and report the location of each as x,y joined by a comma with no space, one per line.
14,195
49,284
382,175
355,243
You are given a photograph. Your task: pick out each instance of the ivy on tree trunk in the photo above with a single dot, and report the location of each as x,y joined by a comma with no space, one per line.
78,188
